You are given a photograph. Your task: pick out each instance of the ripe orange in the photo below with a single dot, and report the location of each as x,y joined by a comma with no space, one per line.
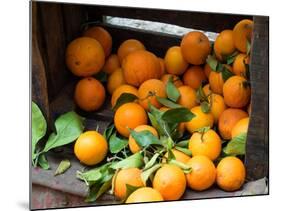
228,119
240,127
134,147
207,70
174,61
236,92
176,80
194,77
224,44
112,63
187,97
115,80
200,120
239,64
149,90
90,148
170,181
205,143
162,65
216,80
145,194
241,33
129,115
130,176
217,106
102,36
206,89
230,173
195,47
89,94
127,47
179,156
84,56
203,174
120,90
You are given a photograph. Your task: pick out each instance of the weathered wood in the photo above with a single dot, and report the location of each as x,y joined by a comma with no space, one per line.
256,158
214,22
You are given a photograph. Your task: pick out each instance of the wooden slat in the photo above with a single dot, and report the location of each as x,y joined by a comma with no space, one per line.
214,22
256,159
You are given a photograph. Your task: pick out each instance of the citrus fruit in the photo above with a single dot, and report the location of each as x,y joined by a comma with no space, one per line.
216,80
179,156
239,64
240,127
162,66
127,47
187,97
207,70
112,63
145,194
174,61
242,32
206,89
120,90
175,79
194,77
224,44
115,80
217,106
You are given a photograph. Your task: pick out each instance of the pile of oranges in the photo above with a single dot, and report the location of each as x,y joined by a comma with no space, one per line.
212,82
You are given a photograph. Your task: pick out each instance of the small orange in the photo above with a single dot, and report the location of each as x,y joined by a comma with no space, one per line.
127,47
200,120
231,173
207,70
242,33
84,56
170,181
187,97
145,194
206,89
239,64
217,105
122,89
240,127
130,176
112,63
194,77
205,143
129,115
176,80
89,94
195,47
134,147
90,148
162,65
149,90
203,174
174,61
115,80
179,156
224,44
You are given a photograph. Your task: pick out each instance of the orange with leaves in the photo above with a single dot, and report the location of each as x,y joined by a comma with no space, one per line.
216,80
242,33
240,127
224,44
123,89
175,79
239,64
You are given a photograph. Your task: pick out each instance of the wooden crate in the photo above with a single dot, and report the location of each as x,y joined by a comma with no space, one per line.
54,25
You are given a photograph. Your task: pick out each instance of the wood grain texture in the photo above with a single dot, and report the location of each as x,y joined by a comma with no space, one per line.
256,159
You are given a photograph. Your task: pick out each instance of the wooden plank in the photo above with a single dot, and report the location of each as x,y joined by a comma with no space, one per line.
214,22
257,157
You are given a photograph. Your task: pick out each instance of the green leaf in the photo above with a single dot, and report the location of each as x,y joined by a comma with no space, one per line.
230,59
144,138
200,95
133,161
172,91
212,62
39,127
117,144
205,107
147,173
124,98
109,131
63,166
248,45
129,190
184,150
183,144
155,124
177,115
237,145
226,73
68,128
186,168
171,155
151,162
43,162
167,103
101,76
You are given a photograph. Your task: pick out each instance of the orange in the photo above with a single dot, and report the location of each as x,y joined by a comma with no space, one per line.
130,176
241,33
140,66
203,174
112,63
200,120
145,194
217,106
162,65
89,94
170,181
120,90
129,115
174,61
195,47
102,36
84,56
127,47
207,70
187,97
134,147
115,80
239,64
194,77
176,80
179,156
224,45
90,148
216,80
228,119
206,89
236,92
230,173
240,127
205,143
149,90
